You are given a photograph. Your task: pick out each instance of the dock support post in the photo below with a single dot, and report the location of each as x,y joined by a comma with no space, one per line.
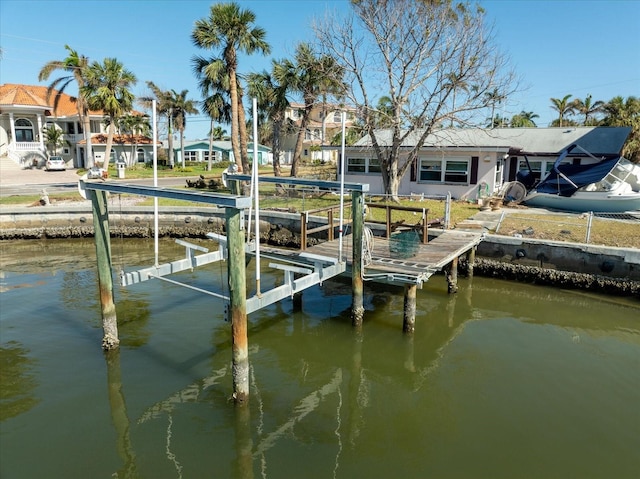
452,276
409,320
105,274
471,259
238,305
357,302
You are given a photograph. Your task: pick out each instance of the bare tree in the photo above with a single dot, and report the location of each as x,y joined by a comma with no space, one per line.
435,60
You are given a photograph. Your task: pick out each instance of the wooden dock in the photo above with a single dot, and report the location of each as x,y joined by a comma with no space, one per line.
386,264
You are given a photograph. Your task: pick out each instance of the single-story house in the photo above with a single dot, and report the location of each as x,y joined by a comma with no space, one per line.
475,162
129,149
198,150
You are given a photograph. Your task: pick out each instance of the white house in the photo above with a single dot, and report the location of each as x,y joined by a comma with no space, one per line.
25,113
325,122
470,163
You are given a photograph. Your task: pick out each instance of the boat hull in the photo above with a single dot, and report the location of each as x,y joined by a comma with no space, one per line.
584,202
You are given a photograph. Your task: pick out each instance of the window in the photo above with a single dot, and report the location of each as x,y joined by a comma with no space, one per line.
363,165
337,116
214,156
537,167
446,170
140,154
71,128
356,165
24,130
191,156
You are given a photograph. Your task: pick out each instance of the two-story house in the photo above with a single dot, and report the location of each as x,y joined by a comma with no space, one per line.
325,123
26,111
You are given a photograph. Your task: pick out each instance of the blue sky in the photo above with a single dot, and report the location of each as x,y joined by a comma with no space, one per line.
576,47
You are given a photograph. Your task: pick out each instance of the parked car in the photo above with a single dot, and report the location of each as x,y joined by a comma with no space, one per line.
55,163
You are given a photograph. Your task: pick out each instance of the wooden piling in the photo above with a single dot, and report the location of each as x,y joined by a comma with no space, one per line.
452,276
409,320
471,259
238,305
105,274
357,301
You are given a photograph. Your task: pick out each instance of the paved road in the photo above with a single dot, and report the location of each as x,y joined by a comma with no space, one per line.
16,181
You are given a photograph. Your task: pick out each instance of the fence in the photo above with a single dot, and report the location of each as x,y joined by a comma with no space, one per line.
609,229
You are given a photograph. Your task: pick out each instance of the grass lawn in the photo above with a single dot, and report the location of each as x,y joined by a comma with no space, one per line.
550,227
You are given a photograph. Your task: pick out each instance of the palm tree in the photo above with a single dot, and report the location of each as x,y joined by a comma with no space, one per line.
564,107
164,106
524,119
54,137
497,121
180,109
270,91
313,77
621,112
76,65
107,89
134,125
494,98
218,133
588,109
455,84
384,112
213,81
231,29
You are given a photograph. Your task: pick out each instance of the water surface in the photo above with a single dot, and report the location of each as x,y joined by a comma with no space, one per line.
501,380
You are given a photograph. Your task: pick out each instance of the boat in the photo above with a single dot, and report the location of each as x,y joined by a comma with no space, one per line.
610,185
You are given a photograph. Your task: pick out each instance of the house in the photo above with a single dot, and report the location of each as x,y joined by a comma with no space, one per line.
26,111
471,163
198,151
325,123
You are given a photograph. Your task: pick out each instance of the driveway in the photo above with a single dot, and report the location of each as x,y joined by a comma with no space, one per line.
14,179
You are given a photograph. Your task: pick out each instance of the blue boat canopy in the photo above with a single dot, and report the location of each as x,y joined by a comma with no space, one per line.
565,180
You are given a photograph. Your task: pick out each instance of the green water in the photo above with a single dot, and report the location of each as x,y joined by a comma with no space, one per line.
501,380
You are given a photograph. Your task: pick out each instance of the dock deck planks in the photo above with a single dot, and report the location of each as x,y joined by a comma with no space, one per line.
427,258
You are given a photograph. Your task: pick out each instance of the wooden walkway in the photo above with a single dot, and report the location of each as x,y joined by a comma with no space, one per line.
387,264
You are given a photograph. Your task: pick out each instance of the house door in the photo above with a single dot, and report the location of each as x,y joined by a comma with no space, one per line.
499,175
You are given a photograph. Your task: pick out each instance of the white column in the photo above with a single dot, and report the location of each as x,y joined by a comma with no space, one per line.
40,132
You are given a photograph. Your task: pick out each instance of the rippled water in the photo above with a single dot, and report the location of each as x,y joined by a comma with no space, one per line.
501,380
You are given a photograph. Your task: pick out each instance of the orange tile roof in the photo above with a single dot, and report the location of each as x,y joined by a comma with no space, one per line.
33,95
101,139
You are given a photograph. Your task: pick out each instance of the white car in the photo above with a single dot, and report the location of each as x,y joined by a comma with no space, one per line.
55,163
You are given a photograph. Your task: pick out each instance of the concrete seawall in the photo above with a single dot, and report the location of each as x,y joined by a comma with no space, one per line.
571,265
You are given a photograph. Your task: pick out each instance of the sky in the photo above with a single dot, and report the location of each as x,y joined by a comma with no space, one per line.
560,47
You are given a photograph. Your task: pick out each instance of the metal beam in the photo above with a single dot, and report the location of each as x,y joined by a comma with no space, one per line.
328,185
217,199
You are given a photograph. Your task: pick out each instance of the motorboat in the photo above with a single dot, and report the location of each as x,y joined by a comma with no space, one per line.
610,185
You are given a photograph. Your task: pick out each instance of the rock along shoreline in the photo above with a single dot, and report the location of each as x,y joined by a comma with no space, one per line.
279,234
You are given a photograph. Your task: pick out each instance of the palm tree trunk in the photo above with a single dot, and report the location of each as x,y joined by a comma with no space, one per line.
107,152
170,140
277,126
235,147
242,123
210,159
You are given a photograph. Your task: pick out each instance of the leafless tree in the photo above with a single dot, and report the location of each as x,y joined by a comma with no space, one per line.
435,61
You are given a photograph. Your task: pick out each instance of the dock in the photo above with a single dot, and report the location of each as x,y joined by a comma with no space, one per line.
386,264
404,257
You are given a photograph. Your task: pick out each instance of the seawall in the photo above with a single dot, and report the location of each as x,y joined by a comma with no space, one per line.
568,265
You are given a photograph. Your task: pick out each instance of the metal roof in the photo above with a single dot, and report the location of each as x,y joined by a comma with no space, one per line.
541,141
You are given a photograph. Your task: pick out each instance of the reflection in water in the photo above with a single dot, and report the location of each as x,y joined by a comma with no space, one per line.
500,374
119,416
17,382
